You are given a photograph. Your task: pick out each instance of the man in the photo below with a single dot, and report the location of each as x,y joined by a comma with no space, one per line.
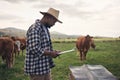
39,54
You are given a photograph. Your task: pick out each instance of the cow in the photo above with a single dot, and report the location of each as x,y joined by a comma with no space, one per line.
17,44
23,47
17,49
83,44
22,42
7,51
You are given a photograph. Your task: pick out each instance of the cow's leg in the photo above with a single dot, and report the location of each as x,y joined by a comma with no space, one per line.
9,59
12,59
81,58
18,53
15,53
3,58
85,53
22,52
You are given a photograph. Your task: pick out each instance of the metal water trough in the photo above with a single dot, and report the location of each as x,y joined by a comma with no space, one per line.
90,72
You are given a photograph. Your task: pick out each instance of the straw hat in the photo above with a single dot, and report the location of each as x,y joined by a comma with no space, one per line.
52,12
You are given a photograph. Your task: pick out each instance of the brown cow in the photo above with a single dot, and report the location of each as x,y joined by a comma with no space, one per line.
23,47
83,44
17,45
7,51
22,42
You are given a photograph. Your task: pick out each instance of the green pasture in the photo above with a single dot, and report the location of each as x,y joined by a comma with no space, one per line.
107,53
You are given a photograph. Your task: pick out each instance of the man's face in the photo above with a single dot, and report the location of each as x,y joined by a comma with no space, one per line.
50,21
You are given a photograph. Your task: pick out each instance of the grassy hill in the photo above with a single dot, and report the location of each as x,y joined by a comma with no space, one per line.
10,31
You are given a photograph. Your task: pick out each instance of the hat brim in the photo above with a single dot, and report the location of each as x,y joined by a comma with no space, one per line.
43,13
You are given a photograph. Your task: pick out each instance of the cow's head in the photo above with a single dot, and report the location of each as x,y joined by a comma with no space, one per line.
90,39
17,43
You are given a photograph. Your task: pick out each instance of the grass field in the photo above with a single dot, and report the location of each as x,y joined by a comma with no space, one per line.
107,53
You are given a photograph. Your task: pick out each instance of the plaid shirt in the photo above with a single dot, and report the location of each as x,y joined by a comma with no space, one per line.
38,40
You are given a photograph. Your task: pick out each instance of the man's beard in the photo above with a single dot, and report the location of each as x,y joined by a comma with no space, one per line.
48,25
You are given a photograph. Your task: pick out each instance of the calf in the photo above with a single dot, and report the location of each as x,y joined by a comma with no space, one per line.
83,44
17,45
7,51
22,42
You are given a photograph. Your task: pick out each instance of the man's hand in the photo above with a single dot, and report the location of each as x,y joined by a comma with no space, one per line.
53,54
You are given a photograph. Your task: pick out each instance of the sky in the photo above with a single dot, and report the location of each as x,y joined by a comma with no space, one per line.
79,17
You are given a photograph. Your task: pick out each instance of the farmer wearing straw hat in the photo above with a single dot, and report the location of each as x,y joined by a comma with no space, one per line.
39,51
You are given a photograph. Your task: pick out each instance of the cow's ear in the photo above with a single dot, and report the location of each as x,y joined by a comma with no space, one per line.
13,38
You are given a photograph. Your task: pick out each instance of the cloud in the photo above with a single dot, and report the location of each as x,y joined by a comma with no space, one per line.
80,9
99,17
67,9
5,16
18,1
84,9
